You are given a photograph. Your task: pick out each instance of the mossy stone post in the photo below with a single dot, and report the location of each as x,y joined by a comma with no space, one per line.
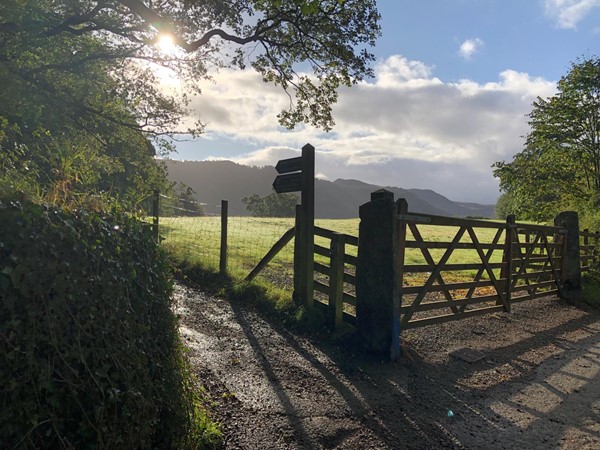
377,299
570,277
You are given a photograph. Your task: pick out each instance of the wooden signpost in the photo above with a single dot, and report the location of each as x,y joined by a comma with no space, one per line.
291,182
298,174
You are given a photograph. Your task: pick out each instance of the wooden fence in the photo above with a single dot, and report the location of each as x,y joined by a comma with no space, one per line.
516,262
589,248
529,267
338,276
383,291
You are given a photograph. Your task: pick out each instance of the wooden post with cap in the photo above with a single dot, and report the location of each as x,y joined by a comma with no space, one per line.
298,174
377,293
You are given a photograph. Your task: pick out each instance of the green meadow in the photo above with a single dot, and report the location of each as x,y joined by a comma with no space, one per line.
250,238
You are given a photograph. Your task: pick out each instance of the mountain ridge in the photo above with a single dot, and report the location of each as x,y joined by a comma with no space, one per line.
214,181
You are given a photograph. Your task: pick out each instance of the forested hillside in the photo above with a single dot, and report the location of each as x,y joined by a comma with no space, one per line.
214,181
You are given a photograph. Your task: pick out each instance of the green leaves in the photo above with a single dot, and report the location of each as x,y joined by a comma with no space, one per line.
560,165
309,7
88,342
75,113
327,37
82,98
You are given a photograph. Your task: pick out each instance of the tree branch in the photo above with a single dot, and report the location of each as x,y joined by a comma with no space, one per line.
67,25
156,20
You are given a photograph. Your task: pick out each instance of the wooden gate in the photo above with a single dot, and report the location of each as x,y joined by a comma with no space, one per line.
484,268
536,261
589,243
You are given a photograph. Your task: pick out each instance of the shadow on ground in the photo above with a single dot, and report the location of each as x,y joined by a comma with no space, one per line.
536,386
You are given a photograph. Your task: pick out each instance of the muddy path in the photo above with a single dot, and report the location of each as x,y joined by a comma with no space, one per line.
537,384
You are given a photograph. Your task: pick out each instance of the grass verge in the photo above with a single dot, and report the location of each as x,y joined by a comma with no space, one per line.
591,290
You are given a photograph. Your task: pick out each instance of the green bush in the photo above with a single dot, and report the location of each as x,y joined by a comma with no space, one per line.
90,355
591,289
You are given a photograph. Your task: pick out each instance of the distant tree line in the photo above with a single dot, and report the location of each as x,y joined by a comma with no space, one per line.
272,205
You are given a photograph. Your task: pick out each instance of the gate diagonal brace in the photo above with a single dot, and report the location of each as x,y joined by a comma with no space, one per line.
433,276
486,264
525,260
481,271
550,253
429,259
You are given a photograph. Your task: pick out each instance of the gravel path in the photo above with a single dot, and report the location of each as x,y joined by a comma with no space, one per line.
537,386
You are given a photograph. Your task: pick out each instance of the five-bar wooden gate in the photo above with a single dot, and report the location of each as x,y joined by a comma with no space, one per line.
515,262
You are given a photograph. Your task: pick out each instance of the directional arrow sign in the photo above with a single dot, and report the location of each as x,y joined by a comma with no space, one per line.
288,183
289,165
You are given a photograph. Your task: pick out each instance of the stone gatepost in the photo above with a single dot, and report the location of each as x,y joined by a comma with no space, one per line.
377,300
570,277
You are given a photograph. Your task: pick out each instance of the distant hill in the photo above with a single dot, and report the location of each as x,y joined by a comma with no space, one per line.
214,181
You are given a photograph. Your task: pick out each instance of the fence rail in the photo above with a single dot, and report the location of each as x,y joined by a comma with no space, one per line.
589,248
340,303
398,268
514,275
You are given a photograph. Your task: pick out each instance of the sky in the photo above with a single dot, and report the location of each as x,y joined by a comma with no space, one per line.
454,80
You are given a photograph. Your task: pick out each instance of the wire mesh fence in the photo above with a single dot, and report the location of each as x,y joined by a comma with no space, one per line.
186,231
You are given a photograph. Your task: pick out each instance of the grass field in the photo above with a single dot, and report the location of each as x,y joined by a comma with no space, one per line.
250,238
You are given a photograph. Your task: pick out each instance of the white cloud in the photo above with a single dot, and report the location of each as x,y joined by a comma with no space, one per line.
567,13
397,69
405,128
469,47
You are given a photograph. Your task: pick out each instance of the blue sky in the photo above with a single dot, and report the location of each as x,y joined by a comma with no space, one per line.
525,35
454,80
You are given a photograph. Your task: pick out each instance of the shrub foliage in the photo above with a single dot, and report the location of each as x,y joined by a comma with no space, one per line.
89,350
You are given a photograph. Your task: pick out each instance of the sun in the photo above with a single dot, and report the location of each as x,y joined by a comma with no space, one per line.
166,43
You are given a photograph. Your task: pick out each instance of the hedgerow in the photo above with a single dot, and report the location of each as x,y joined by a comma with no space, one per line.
90,355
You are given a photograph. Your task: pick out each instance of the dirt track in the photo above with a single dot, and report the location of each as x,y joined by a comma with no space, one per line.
538,386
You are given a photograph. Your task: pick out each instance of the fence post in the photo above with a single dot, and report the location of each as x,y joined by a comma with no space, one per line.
223,255
570,276
308,225
401,208
507,259
336,281
586,243
595,250
155,213
377,300
298,265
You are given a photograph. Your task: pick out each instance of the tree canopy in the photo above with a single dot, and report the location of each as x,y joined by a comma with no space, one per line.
81,98
559,167
70,120
279,39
